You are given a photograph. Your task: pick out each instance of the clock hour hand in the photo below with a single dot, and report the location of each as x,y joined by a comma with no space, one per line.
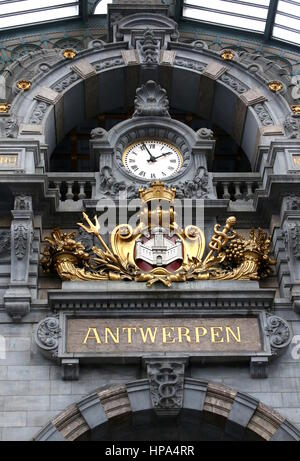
152,158
163,155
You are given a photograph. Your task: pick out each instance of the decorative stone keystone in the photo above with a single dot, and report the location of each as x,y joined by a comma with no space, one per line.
166,377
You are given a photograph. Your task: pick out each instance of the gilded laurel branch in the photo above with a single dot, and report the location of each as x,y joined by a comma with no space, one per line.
231,256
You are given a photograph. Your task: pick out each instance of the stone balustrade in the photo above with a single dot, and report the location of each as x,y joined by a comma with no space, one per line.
236,186
72,186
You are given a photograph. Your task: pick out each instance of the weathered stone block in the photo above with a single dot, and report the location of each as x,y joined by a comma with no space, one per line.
12,419
28,372
27,402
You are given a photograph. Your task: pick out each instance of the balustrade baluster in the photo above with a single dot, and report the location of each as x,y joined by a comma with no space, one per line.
69,194
226,194
82,194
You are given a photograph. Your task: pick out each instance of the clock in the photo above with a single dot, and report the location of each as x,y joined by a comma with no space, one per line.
152,159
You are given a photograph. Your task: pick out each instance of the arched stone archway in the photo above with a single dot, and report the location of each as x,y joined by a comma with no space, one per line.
125,412
104,77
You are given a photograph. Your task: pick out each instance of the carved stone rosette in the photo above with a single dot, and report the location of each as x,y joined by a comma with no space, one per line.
279,333
47,336
166,385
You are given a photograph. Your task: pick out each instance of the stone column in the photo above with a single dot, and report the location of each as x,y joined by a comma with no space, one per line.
17,298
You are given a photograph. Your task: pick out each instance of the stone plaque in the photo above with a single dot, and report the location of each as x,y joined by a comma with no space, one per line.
101,336
296,159
8,160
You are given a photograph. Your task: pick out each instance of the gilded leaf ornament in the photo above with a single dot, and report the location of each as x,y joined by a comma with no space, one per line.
156,252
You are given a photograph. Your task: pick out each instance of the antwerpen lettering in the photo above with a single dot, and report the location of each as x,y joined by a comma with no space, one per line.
162,335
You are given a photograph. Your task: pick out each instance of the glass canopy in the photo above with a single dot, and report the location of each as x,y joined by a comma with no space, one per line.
246,14
287,21
24,12
275,19
278,19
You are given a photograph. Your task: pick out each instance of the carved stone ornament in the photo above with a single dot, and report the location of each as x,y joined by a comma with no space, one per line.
197,187
205,133
292,126
295,239
23,202
231,256
166,385
4,242
149,48
293,203
47,335
279,333
151,100
110,187
98,133
9,127
20,235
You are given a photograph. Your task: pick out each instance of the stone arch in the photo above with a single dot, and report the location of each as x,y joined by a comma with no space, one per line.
236,411
104,77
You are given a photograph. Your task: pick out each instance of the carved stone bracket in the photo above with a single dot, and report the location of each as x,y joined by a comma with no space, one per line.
279,333
18,297
259,367
70,369
166,376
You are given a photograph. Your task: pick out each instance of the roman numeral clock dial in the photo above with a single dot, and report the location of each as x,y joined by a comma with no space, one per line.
152,159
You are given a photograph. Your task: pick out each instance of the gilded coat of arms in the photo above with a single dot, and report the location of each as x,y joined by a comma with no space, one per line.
158,249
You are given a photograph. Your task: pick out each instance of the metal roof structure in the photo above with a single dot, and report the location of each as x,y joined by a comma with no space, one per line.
270,20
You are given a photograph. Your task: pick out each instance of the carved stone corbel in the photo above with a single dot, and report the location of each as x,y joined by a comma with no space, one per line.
166,377
259,367
70,369
17,298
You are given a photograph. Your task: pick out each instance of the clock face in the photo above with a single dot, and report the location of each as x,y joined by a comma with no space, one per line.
152,159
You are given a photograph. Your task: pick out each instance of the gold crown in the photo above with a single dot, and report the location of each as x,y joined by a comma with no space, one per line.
157,191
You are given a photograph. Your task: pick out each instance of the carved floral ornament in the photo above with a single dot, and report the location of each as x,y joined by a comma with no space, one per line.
153,252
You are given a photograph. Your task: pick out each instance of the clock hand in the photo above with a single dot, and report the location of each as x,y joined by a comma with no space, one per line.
163,155
152,158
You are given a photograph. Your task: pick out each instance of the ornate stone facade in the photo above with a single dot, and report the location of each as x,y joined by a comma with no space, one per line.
142,67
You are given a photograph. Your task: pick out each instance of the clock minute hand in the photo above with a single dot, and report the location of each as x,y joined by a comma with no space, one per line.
152,158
